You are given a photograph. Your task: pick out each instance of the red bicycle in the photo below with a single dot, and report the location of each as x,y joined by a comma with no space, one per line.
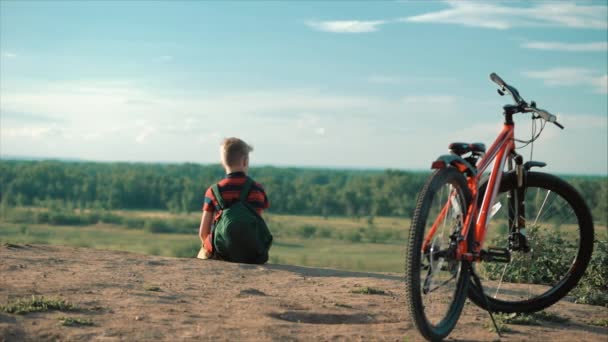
523,213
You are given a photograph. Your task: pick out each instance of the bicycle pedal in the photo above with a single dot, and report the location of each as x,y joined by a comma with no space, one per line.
496,254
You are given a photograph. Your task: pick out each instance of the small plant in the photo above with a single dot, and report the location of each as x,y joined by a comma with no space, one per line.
152,288
520,319
37,304
75,322
368,290
535,318
550,317
500,323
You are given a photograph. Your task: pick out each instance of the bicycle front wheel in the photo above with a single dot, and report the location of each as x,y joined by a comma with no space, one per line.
435,282
559,234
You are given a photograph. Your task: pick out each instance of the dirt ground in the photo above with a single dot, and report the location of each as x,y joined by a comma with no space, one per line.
136,297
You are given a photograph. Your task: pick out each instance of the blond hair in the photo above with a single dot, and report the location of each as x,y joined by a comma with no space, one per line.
234,150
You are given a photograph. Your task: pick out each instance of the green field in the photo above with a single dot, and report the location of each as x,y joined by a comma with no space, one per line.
344,243
360,244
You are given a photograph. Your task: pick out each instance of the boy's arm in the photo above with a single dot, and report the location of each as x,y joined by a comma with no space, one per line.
205,227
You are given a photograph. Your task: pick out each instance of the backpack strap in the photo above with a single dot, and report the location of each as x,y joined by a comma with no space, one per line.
218,196
246,189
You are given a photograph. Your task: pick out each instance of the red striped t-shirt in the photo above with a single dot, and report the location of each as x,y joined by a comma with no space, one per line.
230,189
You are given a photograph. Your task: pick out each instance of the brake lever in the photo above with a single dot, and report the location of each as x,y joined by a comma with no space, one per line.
558,124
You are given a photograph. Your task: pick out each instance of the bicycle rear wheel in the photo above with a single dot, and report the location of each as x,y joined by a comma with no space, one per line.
435,282
559,232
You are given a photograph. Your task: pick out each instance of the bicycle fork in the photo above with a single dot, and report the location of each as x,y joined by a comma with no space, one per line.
517,204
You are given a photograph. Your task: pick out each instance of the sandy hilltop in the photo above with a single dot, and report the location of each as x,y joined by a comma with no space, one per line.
125,296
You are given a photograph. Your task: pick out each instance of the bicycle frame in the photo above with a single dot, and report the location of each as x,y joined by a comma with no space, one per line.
498,153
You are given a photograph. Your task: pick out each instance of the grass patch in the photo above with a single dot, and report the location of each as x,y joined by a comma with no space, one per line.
368,290
550,317
603,322
152,288
75,322
37,304
535,318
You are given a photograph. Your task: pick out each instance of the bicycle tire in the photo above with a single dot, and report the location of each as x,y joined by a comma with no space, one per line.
429,327
580,228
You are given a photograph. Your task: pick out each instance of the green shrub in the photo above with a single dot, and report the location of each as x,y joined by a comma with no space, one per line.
134,222
324,233
171,226
157,226
306,231
593,287
552,254
19,215
41,217
108,217
64,218
352,236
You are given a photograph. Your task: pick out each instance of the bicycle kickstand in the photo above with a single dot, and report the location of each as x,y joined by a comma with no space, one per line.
478,284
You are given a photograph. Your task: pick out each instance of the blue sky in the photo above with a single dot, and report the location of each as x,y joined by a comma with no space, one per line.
337,84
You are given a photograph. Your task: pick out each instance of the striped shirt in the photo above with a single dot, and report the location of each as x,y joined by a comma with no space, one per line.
230,190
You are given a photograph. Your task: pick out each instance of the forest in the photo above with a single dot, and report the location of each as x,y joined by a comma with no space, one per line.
181,187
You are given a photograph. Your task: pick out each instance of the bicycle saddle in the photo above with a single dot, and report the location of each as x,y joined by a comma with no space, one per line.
461,148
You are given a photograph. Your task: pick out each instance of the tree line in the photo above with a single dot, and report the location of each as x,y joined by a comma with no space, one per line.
181,187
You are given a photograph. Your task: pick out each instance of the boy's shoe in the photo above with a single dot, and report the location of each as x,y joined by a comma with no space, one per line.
204,254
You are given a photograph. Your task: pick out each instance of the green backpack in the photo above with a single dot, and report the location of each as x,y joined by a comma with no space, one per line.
240,234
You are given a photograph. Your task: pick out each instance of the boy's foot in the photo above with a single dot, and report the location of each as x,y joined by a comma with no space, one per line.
203,254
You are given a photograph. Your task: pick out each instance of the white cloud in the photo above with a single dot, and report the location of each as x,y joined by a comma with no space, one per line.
8,55
135,123
124,121
499,16
601,83
144,134
570,47
346,26
571,77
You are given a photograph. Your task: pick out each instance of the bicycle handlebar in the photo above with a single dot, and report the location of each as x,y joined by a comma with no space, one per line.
505,87
523,105
545,115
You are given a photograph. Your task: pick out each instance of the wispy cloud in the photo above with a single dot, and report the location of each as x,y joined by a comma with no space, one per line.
35,132
346,26
571,77
499,16
8,55
160,126
601,83
571,47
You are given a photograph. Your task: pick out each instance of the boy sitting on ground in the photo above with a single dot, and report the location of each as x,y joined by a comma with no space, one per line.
242,236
